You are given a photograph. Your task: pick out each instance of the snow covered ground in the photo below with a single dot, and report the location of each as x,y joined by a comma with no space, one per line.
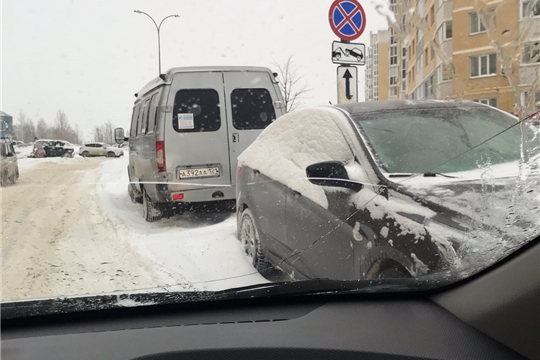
192,251
69,228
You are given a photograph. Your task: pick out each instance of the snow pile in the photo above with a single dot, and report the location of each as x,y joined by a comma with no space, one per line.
295,141
192,251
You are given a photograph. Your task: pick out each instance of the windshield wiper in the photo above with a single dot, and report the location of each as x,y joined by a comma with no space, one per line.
30,308
430,174
426,174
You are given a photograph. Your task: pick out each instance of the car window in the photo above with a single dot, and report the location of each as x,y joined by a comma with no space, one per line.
152,115
252,109
196,110
134,120
400,145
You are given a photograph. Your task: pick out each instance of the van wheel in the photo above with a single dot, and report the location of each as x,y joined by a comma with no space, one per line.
150,212
85,154
133,195
249,237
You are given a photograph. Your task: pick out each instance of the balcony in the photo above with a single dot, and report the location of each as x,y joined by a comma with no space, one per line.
533,27
529,73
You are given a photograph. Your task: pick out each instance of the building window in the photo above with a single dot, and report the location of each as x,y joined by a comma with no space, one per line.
445,31
490,102
432,14
394,91
432,53
445,72
531,53
393,75
483,65
530,8
527,100
476,24
393,36
393,55
426,56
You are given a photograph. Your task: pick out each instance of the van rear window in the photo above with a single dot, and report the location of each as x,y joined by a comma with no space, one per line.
203,104
252,109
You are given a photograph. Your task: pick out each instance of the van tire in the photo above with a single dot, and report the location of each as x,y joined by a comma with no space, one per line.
150,212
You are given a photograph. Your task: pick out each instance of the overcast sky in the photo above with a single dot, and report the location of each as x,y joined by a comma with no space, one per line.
89,57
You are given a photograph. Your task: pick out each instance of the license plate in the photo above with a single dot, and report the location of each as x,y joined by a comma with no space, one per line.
198,173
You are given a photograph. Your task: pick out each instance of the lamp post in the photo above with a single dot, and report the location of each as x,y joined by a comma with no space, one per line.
158,28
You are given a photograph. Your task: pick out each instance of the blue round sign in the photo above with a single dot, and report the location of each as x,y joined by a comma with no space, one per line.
347,19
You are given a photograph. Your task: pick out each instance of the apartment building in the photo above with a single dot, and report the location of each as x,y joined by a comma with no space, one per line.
466,49
377,65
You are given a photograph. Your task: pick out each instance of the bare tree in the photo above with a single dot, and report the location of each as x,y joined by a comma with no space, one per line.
43,130
291,83
25,128
104,133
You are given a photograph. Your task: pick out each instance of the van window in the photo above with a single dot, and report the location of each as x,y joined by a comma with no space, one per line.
203,104
133,130
252,109
152,117
143,118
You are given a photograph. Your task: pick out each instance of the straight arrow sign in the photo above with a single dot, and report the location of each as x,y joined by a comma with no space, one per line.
347,79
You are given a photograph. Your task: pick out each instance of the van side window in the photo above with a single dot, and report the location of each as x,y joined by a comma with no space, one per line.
143,118
152,114
252,109
133,130
203,104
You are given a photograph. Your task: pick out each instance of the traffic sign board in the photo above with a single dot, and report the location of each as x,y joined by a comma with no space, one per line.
347,19
347,78
348,53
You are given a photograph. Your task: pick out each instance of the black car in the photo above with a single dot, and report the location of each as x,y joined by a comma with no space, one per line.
58,149
385,189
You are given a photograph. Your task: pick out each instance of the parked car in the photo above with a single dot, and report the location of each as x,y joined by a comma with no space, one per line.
187,130
99,149
58,148
9,165
359,191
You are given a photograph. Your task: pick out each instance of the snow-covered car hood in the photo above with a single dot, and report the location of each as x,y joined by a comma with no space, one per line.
487,208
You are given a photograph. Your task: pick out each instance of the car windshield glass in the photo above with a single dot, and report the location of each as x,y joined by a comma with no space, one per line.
374,146
400,144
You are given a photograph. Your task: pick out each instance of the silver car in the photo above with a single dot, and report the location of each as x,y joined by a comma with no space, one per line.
9,168
188,128
99,149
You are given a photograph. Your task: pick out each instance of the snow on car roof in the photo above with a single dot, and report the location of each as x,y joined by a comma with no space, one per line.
374,106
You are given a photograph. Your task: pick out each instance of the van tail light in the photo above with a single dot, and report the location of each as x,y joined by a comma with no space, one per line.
238,170
160,156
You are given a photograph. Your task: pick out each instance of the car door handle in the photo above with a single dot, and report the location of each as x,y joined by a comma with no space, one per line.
235,138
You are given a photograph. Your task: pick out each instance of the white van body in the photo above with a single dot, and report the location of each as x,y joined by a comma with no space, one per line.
188,128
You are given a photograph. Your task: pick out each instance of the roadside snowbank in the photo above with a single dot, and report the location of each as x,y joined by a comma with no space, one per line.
192,251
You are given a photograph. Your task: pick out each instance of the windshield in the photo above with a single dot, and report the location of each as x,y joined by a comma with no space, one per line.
399,139
385,146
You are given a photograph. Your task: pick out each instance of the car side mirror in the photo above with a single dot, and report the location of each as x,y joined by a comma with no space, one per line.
119,136
331,173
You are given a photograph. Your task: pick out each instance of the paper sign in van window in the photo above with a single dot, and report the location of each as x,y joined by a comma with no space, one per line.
186,121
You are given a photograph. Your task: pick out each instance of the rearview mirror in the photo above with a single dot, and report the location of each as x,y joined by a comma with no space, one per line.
331,173
119,136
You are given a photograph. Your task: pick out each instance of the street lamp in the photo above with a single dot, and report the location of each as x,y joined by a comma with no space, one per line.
158,28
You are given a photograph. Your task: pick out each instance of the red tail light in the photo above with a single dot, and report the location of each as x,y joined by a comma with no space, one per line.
238,170
160,156
178,197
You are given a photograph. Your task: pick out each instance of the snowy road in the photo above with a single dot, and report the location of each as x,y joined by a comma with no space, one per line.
69,228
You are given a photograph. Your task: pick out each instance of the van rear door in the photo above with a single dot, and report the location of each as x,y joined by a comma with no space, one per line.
196,132
250,97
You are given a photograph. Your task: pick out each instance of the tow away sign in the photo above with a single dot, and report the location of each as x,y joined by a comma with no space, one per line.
348,54
347,77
